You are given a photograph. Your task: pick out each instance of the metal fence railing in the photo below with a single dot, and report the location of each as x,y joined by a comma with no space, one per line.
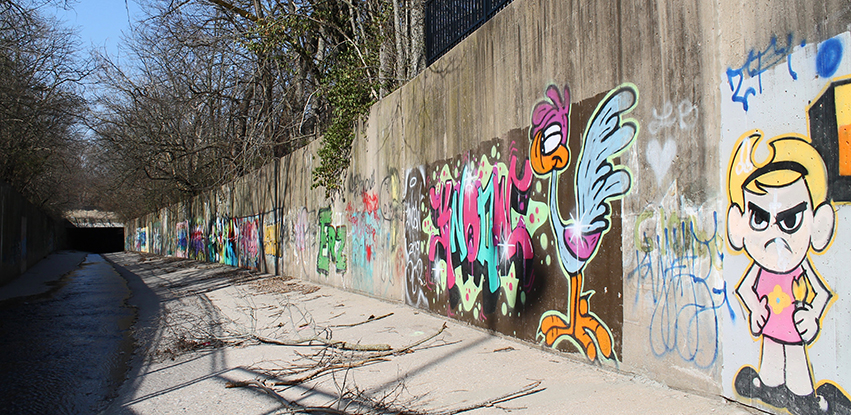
447,22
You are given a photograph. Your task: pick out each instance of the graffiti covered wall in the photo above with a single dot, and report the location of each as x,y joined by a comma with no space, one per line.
644,195
497,243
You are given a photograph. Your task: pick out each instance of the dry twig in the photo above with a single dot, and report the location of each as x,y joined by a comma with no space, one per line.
369,320
337,344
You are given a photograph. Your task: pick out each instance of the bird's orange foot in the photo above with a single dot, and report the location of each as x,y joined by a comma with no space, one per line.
585,329
553,327
588,328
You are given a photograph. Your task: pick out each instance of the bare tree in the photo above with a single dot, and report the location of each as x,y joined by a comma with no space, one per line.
216,88
188,115
40,106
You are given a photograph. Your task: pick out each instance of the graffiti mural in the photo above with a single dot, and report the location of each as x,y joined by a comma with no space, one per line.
332,243
785,180
197,241
301,234
477,245
248,240
182,232
478,218
142,239
598,181
778,214
222,242
365,231
373,226
156,238
417,278
271,230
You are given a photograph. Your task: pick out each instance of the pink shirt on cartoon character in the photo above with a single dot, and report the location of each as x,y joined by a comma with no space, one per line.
778,288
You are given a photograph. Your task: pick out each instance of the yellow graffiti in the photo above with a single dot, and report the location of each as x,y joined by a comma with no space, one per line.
270,239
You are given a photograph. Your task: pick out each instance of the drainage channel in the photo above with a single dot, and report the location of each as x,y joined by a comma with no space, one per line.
67,351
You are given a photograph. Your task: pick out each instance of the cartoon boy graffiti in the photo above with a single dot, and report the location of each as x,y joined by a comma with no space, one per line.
778,214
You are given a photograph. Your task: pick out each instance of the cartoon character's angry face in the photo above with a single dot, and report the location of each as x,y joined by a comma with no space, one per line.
778,207
776,226
550,130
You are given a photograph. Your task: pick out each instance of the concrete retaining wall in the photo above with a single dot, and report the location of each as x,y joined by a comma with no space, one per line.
569,175
26,234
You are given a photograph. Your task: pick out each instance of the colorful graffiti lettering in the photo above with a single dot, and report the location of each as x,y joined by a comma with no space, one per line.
679,263
248,239
365,228
479,229
221,244
197,242
598,181
332,242
298,238
182,231
142,239
271,230
156,238
778,214
417,279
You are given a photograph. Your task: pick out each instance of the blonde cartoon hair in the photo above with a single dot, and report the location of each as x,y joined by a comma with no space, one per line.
759,163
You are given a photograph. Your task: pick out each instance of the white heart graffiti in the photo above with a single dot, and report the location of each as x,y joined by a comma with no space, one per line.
660,157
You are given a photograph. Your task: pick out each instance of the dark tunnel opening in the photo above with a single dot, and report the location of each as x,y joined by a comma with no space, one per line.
96,240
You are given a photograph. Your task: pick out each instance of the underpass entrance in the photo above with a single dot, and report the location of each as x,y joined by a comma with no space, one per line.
96,240
95,231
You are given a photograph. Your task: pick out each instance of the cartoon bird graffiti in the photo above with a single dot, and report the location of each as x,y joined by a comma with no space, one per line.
597,182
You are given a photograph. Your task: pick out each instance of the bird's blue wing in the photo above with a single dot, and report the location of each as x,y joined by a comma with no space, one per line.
598,180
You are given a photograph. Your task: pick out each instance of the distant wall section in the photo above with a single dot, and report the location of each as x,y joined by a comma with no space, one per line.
26,234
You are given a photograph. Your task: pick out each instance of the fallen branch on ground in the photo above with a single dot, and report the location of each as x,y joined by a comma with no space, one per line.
369,320
331,367
294,408
337,344
325,363
344,345
527,390
408,348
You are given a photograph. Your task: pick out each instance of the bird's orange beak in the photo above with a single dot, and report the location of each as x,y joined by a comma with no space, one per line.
545,163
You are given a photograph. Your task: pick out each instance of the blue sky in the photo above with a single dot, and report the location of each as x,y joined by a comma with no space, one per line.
99,22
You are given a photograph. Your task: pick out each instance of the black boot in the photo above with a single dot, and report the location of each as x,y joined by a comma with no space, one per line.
837,400
806,404
749,385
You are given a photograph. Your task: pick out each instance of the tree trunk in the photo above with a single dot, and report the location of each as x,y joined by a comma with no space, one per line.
400,51
416,53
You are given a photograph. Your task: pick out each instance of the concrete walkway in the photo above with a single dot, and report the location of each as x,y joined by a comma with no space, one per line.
204,325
